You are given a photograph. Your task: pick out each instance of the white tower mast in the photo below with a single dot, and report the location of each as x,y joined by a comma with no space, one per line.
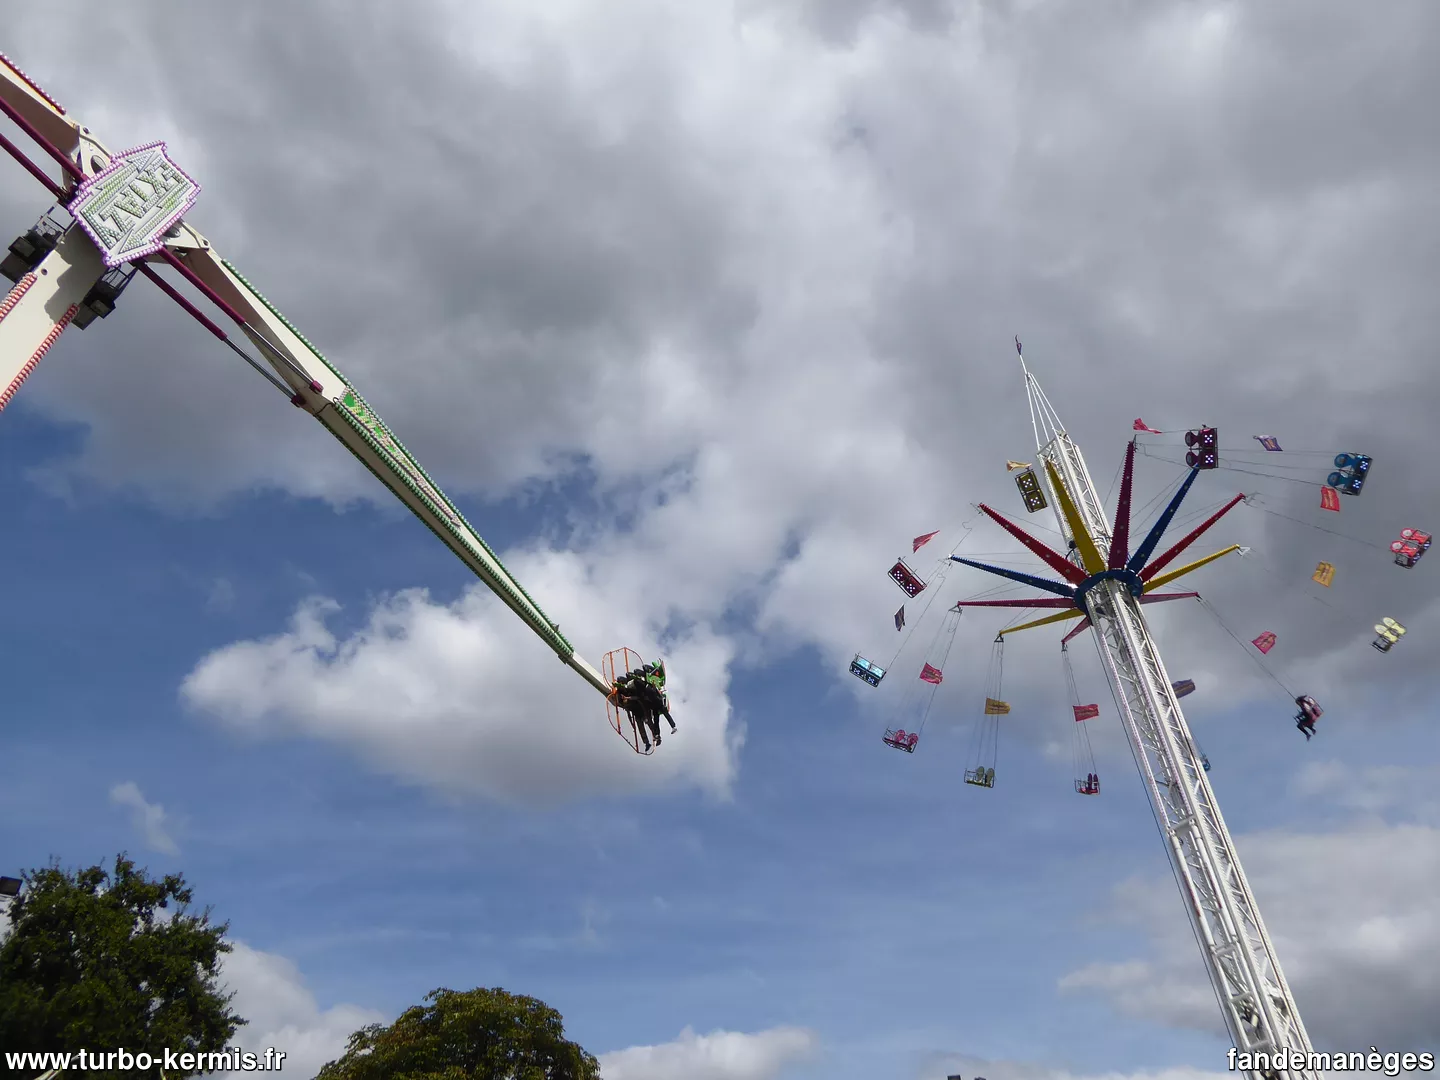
1254,998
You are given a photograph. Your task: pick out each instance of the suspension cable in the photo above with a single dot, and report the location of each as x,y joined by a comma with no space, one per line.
1242,643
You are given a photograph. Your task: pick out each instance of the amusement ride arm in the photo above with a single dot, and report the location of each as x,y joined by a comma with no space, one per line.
314,383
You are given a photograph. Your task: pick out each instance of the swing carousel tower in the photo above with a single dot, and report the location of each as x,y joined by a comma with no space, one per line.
1106,591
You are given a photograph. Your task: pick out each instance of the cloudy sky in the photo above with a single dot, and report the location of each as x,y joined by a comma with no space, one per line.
700,312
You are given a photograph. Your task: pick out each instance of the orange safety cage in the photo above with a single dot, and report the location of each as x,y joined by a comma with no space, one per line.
621,661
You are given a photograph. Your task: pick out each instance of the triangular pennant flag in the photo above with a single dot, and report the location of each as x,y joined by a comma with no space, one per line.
1085,712
900,617
1140,425
921,541
1011,466
931,675
1265,642
1269,442
996,708
1324,574
1329,499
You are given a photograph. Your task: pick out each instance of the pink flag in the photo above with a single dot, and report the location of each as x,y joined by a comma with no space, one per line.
931,675
1329,499
1140,425
1085,712
1265,642
921,541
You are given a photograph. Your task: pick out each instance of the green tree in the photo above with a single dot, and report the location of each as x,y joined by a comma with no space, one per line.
471,1035
90,964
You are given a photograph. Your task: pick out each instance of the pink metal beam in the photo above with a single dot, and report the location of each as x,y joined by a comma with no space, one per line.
40,140
220,302
1066,569
1155,598
194,279
1084,625
200,317
1120,542
1160,563
34,170
1057,602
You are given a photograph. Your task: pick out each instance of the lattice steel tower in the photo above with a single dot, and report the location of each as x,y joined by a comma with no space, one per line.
1106,591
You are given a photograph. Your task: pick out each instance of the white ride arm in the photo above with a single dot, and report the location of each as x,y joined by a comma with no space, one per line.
321,390
45,300
51,292
36,311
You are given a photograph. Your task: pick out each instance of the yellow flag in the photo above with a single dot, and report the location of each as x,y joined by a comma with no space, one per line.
1324,574
996,708
1011,466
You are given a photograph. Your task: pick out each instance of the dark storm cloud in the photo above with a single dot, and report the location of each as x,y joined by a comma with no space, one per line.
1192,213
1227,221
414,215
839,21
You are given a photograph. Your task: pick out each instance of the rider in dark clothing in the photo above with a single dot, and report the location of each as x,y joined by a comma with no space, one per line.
635,700
660,701
1308,714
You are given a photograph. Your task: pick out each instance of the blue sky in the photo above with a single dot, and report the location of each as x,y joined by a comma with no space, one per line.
774,326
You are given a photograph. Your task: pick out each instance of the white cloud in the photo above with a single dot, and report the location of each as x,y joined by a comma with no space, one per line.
720,1055
271,994
459,696
282,1012
149,819
1372,789
778,269
1350,912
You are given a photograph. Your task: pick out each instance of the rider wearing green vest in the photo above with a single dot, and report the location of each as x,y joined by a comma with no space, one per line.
641,712
655,676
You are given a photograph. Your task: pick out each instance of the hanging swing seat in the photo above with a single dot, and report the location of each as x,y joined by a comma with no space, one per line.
901,740
981,777
1087,779
867,671
911,582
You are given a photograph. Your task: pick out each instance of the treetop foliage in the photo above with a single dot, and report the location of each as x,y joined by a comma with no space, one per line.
466,1035
100,958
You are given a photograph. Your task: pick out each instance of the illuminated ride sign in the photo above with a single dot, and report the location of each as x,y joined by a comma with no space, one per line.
128,206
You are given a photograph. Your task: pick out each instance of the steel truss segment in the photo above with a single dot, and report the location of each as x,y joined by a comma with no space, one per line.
1257,1004
1065,456
1255,1000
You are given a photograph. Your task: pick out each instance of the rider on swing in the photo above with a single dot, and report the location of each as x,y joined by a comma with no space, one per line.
654,674
630,694
1308,714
